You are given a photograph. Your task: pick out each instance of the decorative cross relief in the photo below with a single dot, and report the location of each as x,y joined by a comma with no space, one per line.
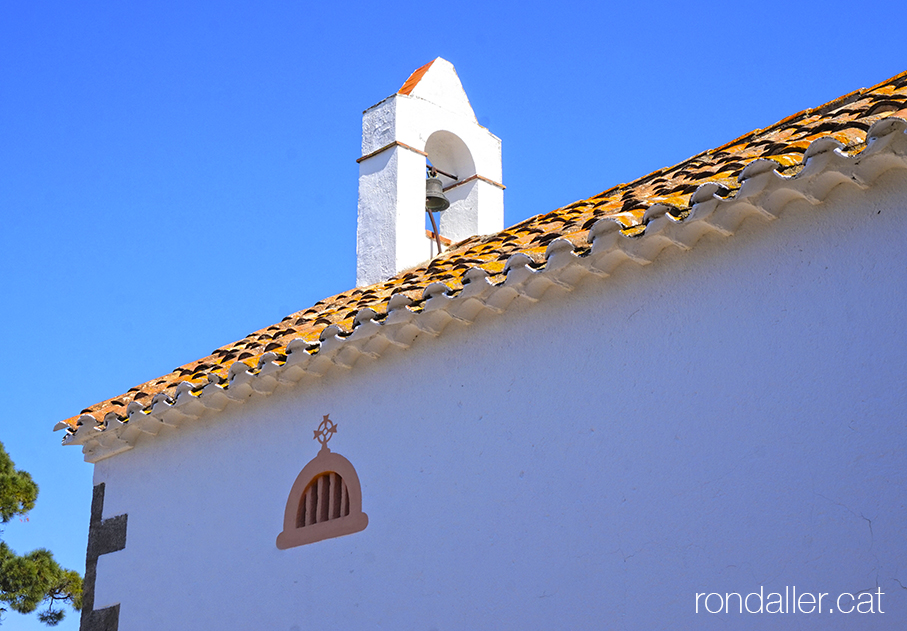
326,430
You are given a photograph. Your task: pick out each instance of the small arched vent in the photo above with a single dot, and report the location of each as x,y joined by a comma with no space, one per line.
325,498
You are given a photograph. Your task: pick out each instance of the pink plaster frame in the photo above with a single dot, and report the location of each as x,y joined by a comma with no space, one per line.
356,520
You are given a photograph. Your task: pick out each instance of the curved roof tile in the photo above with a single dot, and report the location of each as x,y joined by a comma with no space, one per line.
844,122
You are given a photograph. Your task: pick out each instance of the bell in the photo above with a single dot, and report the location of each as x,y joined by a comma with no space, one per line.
434,196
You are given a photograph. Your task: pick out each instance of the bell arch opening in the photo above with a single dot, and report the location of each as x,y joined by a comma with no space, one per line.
448,153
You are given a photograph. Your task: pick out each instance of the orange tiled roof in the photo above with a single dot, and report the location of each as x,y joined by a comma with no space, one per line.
414,78
845,120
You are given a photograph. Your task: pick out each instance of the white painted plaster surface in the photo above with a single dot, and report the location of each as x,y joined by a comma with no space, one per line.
491,201
722,419
379,125
436,119
457,222
390,231
440,84
375,237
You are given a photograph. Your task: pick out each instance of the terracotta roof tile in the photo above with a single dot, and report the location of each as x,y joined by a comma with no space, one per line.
414,78
846,120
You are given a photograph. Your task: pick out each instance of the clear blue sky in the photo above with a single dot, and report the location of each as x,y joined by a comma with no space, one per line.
174,176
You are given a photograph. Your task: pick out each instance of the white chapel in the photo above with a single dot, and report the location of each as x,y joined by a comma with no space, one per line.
615,415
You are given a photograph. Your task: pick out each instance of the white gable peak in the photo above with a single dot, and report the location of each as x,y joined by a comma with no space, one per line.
437,82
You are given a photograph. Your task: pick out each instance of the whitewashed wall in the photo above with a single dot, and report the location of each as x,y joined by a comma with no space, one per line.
724,419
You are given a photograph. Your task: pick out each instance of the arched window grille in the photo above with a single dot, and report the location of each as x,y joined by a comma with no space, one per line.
325,500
